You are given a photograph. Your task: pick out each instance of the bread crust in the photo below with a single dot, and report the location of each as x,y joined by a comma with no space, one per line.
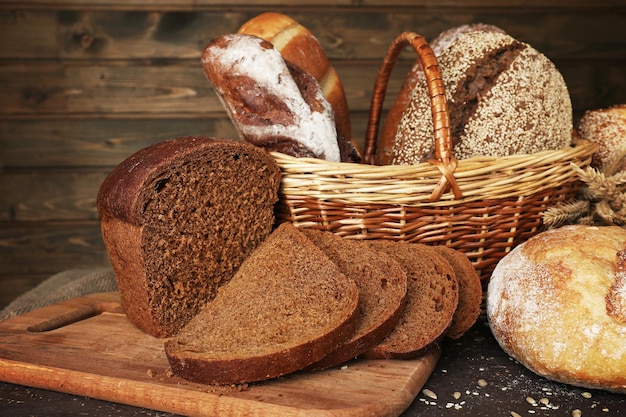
387,139
548,306
123,243
294,41
606,127
121,191
415,75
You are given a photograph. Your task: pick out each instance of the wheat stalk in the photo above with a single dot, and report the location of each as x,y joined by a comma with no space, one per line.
601,201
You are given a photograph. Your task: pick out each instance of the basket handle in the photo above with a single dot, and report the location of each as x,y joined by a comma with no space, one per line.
444,160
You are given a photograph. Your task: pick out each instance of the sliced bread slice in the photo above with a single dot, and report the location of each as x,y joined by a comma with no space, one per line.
382,286
432,299
470,291
288,306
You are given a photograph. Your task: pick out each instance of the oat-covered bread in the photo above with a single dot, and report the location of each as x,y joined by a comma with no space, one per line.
504,97
382,286
287,307
432,299
470,291
557,304
178,219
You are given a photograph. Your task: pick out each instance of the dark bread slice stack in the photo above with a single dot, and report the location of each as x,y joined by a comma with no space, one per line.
470,291
432,299
287,307
178,219
382,286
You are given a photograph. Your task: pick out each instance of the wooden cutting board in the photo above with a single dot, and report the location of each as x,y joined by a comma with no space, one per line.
87,346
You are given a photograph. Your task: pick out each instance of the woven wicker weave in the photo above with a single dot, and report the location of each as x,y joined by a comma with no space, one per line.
481,206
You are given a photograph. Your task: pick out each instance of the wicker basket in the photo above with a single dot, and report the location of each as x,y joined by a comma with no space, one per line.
481,206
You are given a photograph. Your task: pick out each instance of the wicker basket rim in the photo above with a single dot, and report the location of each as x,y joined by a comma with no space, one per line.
485,179
466,167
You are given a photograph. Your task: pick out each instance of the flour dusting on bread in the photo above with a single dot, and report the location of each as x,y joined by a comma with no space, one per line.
555,303
271,103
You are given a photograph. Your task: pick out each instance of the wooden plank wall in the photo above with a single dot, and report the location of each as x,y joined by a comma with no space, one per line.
83,84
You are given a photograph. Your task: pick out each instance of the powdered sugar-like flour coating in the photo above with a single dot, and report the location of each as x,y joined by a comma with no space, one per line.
546,305
249,57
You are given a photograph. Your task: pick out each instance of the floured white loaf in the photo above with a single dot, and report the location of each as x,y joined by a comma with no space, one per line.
557,304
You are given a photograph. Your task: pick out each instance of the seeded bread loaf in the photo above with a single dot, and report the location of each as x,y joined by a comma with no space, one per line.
470,291
382,292
504,98
272,103
287,307
432,299
606,127
384,153
178,219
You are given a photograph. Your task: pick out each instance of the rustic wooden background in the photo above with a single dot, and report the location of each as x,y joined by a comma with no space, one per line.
83,84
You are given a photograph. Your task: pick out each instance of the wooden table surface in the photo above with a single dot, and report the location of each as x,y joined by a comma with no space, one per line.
474,377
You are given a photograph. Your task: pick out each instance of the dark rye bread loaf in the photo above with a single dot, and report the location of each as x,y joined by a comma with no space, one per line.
287,307
504,97
178,218
432,299
470,291
382,291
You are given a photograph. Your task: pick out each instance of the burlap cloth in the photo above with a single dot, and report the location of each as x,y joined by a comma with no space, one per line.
60,287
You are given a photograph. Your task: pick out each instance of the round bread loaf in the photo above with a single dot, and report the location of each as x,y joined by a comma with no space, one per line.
557,304
504,98
416,73
607,127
